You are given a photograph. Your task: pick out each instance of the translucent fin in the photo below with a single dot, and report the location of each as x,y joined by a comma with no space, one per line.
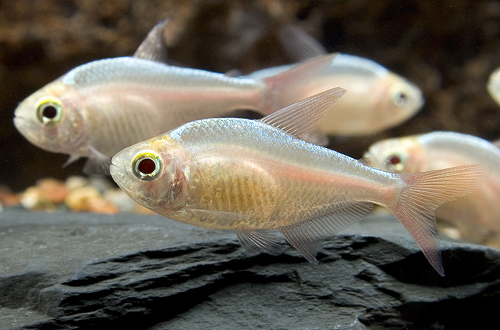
97,167
233,73
288,87
97,164
315,136
308,235
259,241
301,117
298,44
153,48
423,193
71,159
367,161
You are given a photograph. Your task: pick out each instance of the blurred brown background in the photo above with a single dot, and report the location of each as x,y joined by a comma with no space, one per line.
448,48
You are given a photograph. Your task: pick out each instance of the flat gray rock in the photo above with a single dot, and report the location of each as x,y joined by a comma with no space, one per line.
78,271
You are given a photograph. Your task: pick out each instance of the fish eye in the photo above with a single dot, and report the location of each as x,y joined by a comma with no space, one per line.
147,166
400,98
49,111
395,162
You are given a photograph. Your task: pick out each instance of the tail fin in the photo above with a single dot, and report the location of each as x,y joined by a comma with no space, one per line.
288,87
423,193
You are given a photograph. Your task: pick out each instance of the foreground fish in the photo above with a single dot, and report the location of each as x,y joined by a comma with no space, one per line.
101,107
253,176
494,85
478,214
378,99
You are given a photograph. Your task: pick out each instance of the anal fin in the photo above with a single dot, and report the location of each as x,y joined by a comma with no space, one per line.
308,235
259,241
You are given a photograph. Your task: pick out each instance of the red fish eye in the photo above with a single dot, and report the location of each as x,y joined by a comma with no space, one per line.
146,166
394,160
49,112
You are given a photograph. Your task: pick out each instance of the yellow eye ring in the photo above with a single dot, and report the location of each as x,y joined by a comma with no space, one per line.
49,111
147,166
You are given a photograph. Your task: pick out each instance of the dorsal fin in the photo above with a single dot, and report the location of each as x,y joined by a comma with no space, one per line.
152,47
302,117
298,44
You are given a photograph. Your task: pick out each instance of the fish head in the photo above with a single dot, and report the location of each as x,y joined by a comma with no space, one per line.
153,173
397,155
494,85
400,100
51,120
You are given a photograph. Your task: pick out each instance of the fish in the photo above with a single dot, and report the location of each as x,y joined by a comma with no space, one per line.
378,98
257,176
493,85
101,107
476,215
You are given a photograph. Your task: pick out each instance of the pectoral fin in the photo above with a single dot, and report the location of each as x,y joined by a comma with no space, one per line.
308,235
71,159
97,164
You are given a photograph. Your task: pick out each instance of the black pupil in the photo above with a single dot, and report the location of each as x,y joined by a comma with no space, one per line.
49,112
395,160
146,166
402,98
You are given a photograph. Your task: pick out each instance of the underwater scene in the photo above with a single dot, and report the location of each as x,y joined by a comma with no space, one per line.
335,162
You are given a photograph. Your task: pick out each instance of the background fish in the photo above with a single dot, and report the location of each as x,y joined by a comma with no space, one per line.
494,85
99,108
378,99
478,214
253,176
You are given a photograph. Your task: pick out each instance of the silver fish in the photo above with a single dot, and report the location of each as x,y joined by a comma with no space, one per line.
254,176
101,107
494,85
378,99
476,215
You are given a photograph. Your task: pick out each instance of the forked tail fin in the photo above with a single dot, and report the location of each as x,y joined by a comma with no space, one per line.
422,193
290,86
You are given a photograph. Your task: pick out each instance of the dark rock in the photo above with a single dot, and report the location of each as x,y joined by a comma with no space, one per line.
78,271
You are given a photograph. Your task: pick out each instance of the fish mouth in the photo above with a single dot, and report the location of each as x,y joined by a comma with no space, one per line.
114,170
18,121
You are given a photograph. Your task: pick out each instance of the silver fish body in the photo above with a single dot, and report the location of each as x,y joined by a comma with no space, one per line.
378,99
251,176
478,214
101,107
113,103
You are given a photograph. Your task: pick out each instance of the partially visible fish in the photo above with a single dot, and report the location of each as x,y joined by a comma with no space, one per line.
378,99
101,107
255,175
494,85
476,215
